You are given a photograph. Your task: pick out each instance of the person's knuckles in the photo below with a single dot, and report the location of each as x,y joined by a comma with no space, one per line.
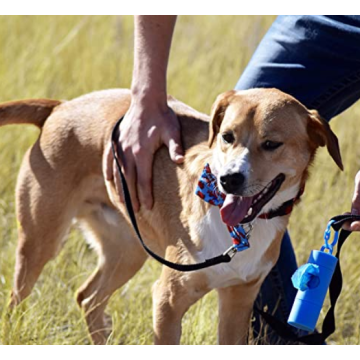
138,152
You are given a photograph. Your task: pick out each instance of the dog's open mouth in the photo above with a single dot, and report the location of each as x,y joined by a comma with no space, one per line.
239,209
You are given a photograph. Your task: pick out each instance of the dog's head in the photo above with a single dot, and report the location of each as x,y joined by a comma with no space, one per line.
264,141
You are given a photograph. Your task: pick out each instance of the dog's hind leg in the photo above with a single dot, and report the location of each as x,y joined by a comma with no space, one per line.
44,217
120,257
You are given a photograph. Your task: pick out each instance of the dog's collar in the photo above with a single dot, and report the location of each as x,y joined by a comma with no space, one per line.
285,209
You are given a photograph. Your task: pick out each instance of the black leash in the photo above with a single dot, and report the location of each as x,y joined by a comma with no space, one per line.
329,325
223,258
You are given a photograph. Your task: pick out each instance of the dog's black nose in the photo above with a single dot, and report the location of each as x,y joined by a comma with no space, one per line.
232,182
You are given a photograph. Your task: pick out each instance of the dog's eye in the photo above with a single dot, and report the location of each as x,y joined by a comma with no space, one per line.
228,138
271,145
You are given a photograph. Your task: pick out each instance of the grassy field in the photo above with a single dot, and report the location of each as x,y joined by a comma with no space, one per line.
63,57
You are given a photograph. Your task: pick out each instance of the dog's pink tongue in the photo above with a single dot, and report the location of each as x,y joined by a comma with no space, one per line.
235,209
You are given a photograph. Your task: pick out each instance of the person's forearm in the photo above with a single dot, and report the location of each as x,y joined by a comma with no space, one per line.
153,36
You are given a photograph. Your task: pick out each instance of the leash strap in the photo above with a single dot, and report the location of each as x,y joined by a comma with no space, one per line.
223,258
328,327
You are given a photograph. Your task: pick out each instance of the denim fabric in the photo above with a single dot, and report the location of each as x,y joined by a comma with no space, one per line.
316,59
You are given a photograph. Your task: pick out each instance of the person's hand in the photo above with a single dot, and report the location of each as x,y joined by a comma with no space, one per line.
145,128
355,206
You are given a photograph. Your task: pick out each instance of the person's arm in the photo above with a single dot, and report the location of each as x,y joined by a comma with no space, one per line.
149,123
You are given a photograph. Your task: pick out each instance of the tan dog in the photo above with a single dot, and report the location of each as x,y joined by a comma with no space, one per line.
255,137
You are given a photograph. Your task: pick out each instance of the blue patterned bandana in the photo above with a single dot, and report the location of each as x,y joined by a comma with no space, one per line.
207,190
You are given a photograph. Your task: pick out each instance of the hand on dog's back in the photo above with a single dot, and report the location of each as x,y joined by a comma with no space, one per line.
143,130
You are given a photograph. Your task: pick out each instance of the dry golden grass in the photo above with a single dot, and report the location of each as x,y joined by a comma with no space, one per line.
63,57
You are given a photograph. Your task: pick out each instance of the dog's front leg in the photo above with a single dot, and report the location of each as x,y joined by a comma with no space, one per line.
235,308
173,294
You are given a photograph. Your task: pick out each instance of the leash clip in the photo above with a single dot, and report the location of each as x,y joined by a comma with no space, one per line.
249,229
327,234
231,251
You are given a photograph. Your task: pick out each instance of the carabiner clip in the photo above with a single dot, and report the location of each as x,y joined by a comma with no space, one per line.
327,235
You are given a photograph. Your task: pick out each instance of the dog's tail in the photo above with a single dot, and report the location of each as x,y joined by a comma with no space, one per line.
34,111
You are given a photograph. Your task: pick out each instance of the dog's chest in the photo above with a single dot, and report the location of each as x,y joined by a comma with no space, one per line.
246,265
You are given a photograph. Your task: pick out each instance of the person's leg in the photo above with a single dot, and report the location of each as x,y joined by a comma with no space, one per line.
316,59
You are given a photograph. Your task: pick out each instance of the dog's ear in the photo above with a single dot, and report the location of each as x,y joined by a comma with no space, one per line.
320,134
217,113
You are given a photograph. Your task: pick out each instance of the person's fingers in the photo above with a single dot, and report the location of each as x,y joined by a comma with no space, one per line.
172,139
175,151
351,226
144,164
108,171
346,226
355,226
355,206
129,170
117,182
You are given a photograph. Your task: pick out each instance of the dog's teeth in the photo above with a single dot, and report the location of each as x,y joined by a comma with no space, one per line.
249,212
265,190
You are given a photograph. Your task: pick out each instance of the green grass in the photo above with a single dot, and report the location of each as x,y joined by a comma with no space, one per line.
63,57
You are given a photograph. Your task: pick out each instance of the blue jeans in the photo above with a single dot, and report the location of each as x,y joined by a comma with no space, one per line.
316,59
